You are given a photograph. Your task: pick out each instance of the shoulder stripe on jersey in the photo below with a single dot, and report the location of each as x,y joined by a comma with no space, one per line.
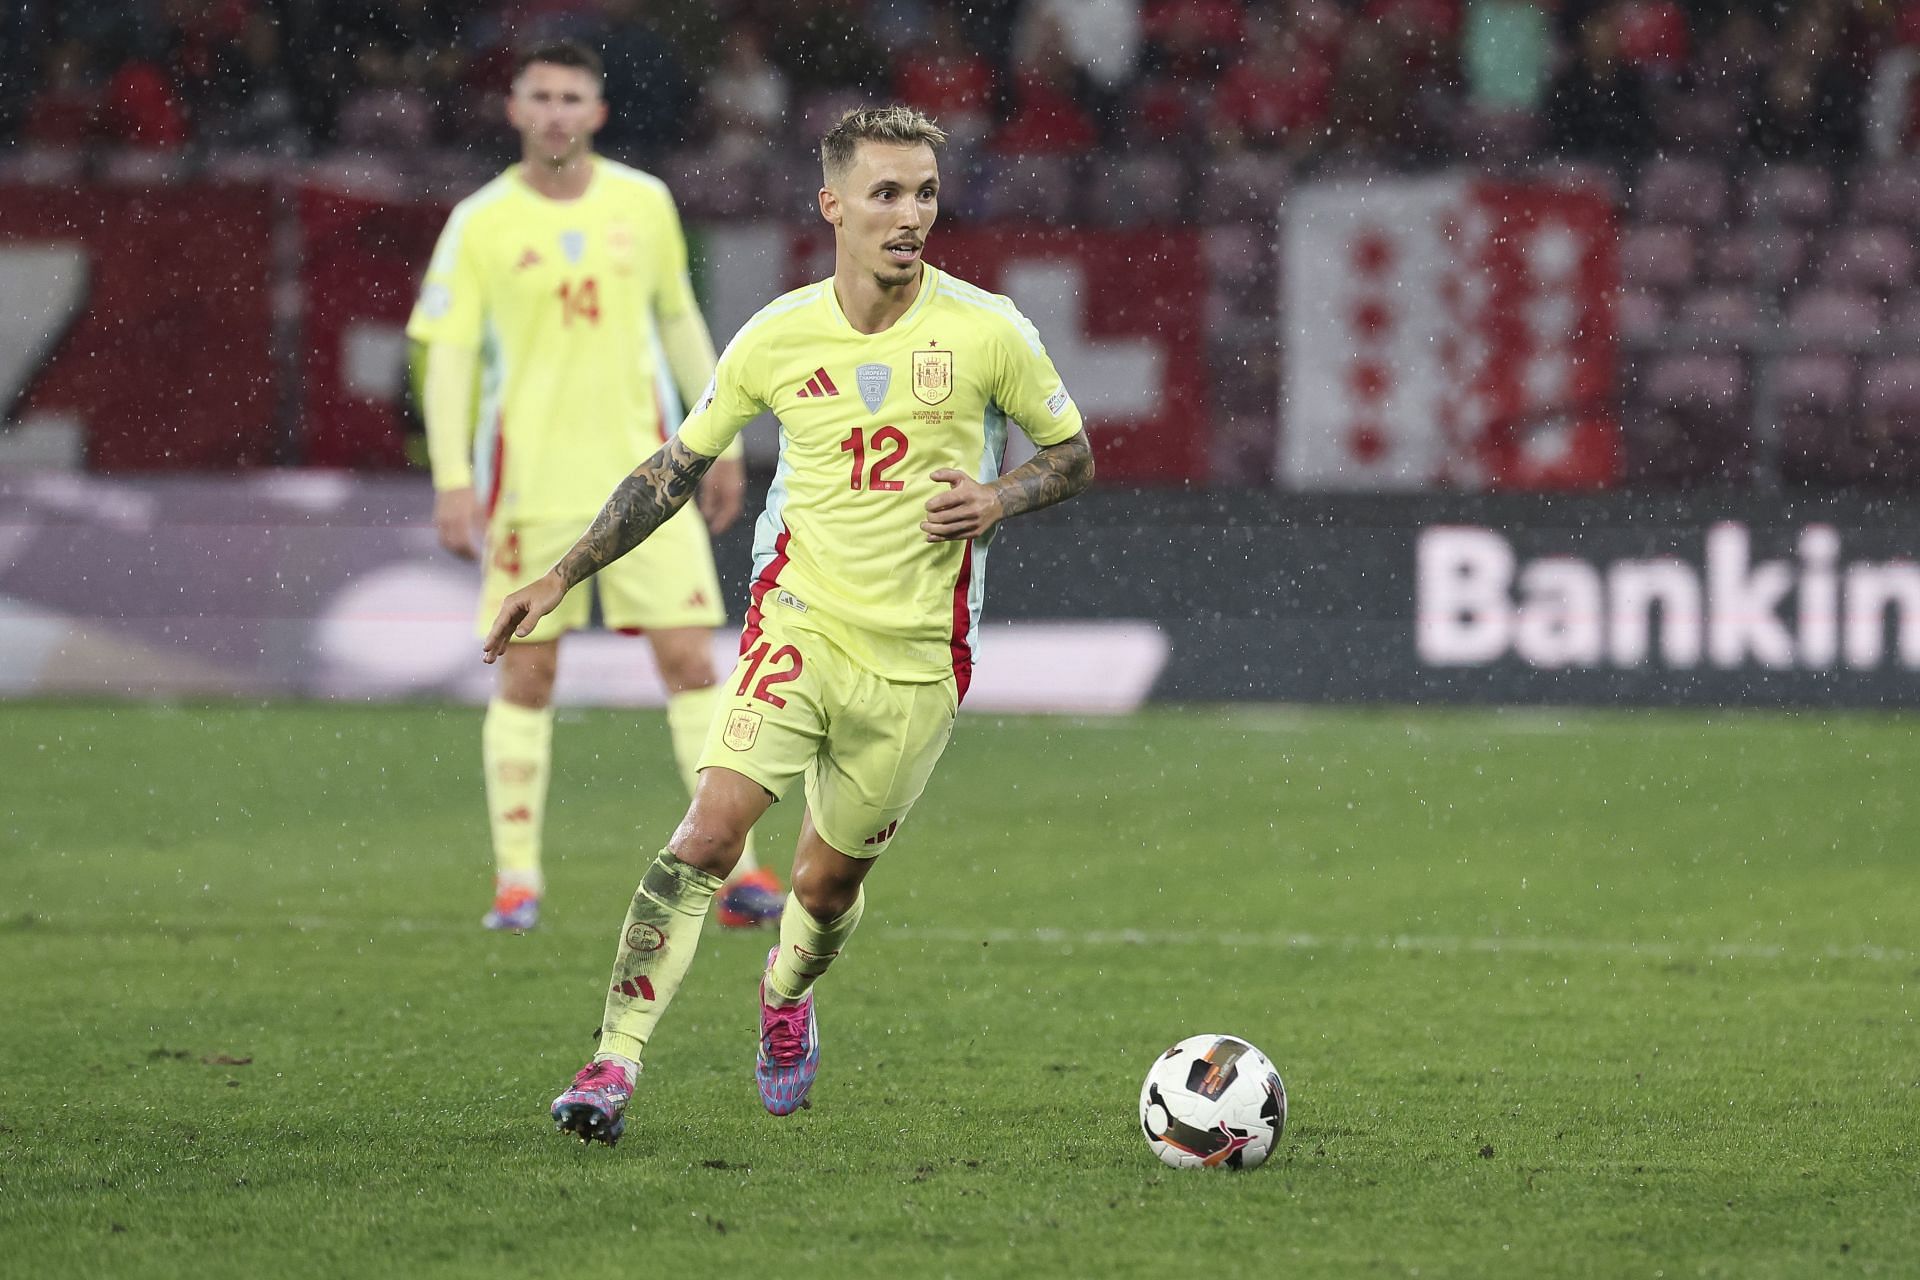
638,177
449,244
780,306
974,296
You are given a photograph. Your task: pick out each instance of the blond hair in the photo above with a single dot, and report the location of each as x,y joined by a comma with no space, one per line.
895,126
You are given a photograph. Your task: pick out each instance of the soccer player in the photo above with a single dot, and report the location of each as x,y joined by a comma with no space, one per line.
559,294
894,384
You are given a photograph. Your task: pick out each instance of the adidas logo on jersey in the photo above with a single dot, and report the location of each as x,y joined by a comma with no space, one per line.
527,259
818,385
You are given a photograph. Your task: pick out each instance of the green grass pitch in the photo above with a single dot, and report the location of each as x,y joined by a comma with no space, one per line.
1625,994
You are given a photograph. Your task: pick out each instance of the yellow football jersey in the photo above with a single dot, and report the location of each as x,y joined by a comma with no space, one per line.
865,419
560,298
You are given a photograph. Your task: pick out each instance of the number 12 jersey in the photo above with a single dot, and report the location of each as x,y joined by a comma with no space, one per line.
865,419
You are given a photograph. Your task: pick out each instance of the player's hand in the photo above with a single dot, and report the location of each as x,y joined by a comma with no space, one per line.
966,510
520,611
456,518
723,492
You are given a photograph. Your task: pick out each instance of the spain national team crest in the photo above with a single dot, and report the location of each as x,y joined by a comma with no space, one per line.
932,376
573,244
620,246
743,728
873,380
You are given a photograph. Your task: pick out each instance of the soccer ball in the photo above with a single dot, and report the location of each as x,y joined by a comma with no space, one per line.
1213,1102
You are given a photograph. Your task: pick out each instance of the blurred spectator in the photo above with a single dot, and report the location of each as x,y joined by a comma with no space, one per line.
1389,95
1048,117
1507,57
1278,93
746,97
386,111
1810,97
1652,36
940,74
1103,40
1190,40
140,108
247,99
647,87
1507,53
1598,106
65,112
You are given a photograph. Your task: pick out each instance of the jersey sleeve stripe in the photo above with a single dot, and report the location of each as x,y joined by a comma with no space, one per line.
973,296
448,247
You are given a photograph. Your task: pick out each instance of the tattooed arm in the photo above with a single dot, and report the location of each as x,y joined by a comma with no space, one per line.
640,504
969,508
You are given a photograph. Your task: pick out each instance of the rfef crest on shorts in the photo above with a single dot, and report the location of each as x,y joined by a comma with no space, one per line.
932,376
743,728
873,379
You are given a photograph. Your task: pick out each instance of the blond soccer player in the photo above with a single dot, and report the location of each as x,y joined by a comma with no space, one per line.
560,330
894,384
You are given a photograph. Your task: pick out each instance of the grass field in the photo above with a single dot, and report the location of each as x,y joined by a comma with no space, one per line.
1553,994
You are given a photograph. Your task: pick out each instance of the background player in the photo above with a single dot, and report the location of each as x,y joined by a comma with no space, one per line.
559,293
893,383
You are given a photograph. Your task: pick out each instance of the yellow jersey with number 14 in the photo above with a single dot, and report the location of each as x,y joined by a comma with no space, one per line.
560,297
865,419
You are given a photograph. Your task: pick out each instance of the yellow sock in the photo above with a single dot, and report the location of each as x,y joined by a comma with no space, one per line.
516,746
689,714
807,946
656,946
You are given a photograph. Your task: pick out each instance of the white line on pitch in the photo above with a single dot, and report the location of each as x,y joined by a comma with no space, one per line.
1405,942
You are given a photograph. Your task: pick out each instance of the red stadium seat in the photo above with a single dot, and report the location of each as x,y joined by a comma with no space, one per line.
1797,194
1887,193
1641,316
1746,255
1686,191
1657,256
1814,409
1719,315
1835,319
1877,258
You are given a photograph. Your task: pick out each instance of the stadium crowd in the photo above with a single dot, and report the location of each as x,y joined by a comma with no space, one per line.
1315,81
1760,153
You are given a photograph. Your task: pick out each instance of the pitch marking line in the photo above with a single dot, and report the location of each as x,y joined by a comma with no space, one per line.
1408,942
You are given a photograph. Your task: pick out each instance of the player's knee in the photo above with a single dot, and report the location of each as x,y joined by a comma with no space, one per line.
825,895
713,847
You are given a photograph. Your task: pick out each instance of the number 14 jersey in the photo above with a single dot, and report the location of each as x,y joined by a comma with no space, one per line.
865,419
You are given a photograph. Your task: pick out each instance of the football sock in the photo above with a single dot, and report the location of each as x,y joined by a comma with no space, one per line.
807,946
689,715
656,947
516,747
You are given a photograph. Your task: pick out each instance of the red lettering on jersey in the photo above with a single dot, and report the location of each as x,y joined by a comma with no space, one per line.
519,813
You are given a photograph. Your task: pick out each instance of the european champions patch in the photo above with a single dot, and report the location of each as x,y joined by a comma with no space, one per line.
1058,401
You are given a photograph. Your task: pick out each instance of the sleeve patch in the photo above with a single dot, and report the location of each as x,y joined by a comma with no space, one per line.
435,301
1058,401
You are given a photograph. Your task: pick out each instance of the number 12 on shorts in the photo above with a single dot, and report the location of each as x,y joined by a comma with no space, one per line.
776,673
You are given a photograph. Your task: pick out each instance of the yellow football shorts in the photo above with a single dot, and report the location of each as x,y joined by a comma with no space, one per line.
667,581
796,705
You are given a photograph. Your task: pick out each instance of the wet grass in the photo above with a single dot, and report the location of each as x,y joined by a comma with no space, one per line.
1553,993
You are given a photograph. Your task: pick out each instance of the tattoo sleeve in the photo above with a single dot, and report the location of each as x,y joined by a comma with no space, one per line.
1054,474
640,504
